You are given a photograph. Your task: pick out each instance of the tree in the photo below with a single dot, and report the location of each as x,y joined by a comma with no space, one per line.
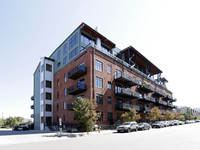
188,115
155,114
168,115
130,116
1,122
85,113
178,116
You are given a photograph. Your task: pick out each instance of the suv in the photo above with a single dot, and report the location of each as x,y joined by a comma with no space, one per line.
127,126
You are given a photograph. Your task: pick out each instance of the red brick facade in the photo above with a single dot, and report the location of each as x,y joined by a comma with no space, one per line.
90,93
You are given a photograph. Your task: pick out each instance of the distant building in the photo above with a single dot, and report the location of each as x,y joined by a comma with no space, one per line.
89,65
194,112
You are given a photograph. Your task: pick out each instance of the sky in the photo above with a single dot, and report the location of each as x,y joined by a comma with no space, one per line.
167,32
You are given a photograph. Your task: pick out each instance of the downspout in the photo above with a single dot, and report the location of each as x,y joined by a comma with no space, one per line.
93,73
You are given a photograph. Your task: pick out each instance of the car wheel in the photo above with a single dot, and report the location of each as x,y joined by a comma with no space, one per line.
129,130
136,129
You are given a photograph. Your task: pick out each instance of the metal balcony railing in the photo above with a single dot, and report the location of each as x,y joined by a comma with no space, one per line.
159,93
147,109
146,98
32,115
77,88
70,107
32,97
127,93
126,79
77,72
146,88
125,106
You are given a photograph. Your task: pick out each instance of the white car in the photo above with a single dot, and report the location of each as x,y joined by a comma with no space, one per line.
127,127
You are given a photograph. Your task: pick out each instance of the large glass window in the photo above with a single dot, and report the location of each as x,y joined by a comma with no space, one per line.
86,40
48,96
65,92
64,105
99,98
65,60
99,82
65,78
73,53
48,84
109,85
58,55
109,69
65,49
48,67
109,100
99,65
118,74
48,107
73,41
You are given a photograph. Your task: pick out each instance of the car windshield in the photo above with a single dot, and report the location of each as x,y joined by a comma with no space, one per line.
126,123
157,122
140,124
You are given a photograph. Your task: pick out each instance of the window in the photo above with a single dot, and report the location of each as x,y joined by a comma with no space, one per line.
65,91
58,64
109,85
109,100
48,96
42,84
58,55
73,41
99,82
86,40
49,67
64,105
48,84
65,78
109,70
73,53
57,107
109,116
99,66
118,74
58,95
65,60
58,82
101,116
99,98
48,107
65,49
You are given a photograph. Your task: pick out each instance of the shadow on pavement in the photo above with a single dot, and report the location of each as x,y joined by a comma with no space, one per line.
70,135
10,132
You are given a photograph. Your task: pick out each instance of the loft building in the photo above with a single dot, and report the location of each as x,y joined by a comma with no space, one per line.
89,65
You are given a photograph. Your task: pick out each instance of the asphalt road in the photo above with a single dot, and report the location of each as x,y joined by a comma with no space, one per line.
183,137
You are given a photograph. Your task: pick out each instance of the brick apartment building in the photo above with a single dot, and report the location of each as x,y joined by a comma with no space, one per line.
88,65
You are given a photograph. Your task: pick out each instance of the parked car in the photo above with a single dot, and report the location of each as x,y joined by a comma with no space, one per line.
181,123
176,122
157,124
197,120
171,123
20,128
144,126
165,123
127,127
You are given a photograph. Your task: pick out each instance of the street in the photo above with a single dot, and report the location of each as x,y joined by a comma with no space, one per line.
182,137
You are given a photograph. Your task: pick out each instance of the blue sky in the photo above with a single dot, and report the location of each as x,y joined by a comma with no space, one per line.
166,32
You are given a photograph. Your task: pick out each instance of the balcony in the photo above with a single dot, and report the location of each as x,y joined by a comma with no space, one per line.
76,89
170,105
174,100
146,98
146,87
125,106
159,93
126,79
127,93
32,97
77,72
32,106
153,99
161,102
32,115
